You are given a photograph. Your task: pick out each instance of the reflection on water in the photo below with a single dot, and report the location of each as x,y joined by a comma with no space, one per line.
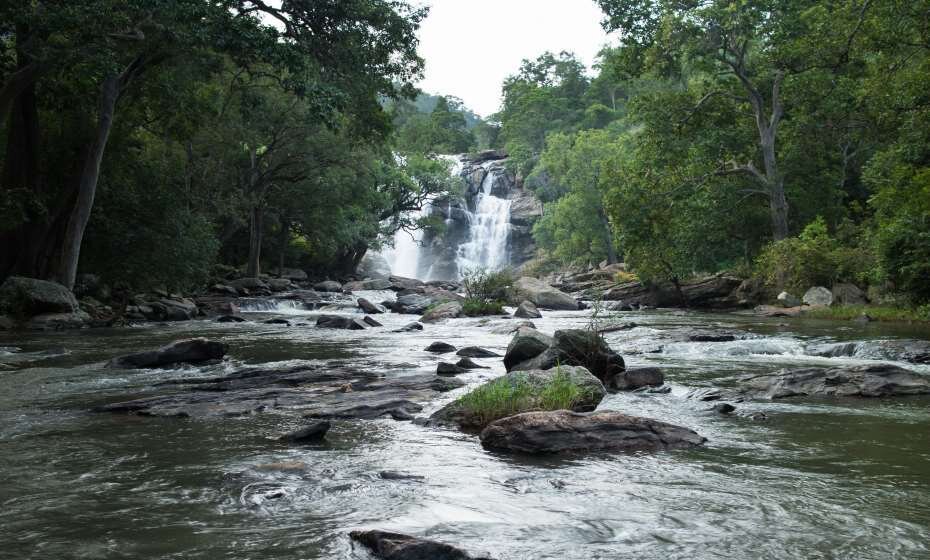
819,479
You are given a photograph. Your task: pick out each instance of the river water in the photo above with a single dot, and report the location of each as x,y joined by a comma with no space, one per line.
818,480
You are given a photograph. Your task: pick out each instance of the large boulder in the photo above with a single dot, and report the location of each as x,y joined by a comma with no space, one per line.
340,322
848,294
818,295
374,284
543,295
312,433
57,321
399,283
787,300
328,286
293,274
182,351
880,380
530,384
565,431
27,297
180,309
577,347
373,266
447,310
636,378
280,284
249,286
369,307
417,303
526,344
527,310
395,546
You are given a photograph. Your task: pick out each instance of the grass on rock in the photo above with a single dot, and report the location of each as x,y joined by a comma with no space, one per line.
877,313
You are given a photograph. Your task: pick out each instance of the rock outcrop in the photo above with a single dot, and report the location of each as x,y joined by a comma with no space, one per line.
563,431
28,297
527,310
441,312
880,380
395,546
573,347
543,295
193,350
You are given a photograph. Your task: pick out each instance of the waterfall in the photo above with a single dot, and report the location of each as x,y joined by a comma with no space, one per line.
489,229
404,256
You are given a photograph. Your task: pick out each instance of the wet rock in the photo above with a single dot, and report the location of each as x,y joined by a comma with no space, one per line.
476,352
369,307
224,289
229,319
395,546
590,388
410,327
439,347
401,415
371,322
312,433
57,321
418,303
397,475
448,310
565,431
543,295
848,294
193,350
711,338
373,285
724,408
636,378
399,283
276,321
710,394
293,274
901,350
339,322
28,297
526,344
787,300
250,286
773,311
577,347
527,310
467,363
513,327
445,368
818,295
616,328
880,380
279,284
663,390
328,286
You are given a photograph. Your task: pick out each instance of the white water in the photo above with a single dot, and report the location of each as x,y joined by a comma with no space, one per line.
489,230
404,256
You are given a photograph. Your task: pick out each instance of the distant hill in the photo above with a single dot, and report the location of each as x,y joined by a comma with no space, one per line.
426,102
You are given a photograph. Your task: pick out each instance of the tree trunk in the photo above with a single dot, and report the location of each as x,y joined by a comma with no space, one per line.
608,236
87,183
255,242
283,239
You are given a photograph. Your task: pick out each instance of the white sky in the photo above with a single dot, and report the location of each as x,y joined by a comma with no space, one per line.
471,46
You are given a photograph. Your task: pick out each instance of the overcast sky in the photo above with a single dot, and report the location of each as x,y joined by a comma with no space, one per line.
470,46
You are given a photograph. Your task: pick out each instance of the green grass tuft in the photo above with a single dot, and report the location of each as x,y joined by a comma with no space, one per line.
473,307
878,313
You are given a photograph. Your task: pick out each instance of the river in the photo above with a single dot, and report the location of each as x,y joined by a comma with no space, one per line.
817,479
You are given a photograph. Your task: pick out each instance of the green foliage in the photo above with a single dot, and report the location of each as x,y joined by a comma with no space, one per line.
484,285
507,396
475,307
443,131
876,312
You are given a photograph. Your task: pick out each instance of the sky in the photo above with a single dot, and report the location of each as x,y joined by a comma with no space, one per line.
471,46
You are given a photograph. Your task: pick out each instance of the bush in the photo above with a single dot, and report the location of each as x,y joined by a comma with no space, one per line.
482,285
904,249
478,307
813,258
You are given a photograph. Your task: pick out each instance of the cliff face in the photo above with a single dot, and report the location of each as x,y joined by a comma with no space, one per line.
489,226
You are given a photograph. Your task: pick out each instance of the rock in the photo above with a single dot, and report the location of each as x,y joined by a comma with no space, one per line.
57,321
615,328
224,289
565,431
371,322
182,351
512,327
902,350
527,310
818,295
848,294
880,380
577,347
787,300
724,408
445,368
229,319
448,310
418,303
476,352
704,337
440,348
249,286
279,284
467,363
590,388
395,546
631,379
543,295
369,307
176,310
397,475
399,283
372,285
276,321
292,274
373,265
409,327
339,322
526,344
312,433
6,324
712,292
778,311
328,286
27,297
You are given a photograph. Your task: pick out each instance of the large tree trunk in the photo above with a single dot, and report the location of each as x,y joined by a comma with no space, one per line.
255,242
778,203
87,183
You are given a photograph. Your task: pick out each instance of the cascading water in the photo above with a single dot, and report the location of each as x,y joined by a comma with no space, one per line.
404,256
489,230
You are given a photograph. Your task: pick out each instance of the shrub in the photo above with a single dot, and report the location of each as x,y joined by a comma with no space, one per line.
481,284
473,307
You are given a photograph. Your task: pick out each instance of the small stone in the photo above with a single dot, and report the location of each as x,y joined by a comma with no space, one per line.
309,434
724,408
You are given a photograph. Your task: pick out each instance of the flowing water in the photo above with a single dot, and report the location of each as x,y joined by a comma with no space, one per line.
489,229
819,479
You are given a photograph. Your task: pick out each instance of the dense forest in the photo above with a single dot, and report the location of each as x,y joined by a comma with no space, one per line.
150,142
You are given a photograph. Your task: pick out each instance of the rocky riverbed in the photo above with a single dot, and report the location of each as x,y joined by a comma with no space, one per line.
188,460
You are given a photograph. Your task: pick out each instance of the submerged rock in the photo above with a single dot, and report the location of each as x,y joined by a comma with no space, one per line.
880,380
410,327
712,338
543,295
312,433
565,431
183,351
476,352
369,307
467,363
440,347
636,378
340,322
527,310
395,546
445,368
